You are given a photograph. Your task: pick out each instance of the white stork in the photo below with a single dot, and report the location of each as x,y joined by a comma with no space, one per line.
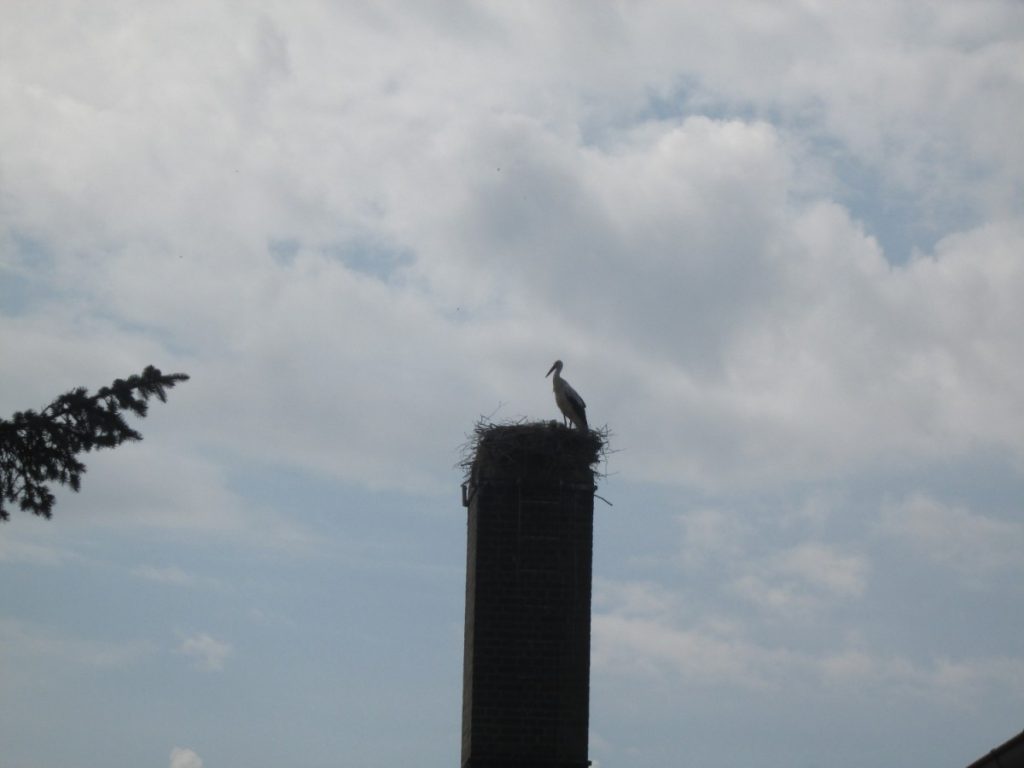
568,399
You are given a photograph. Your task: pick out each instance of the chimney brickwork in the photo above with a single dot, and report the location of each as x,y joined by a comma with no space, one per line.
526,673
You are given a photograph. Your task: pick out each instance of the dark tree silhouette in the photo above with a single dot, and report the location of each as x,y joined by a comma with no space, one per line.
37,449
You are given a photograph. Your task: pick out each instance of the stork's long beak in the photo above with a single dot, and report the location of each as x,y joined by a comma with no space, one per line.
550,370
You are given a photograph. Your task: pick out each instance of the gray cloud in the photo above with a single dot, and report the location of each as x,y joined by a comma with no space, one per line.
208,652
955,536
185,758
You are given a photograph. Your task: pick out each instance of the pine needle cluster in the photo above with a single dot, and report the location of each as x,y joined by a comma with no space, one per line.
39,449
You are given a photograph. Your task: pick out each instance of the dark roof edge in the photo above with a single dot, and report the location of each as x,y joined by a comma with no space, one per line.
992,758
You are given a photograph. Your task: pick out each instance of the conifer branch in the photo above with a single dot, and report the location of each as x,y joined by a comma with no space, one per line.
39,449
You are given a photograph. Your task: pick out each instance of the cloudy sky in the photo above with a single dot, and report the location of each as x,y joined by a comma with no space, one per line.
777,244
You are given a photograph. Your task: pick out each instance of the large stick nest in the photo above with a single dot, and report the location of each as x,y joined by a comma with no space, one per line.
539,450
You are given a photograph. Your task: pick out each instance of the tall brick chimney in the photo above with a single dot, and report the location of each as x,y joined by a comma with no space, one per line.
526,672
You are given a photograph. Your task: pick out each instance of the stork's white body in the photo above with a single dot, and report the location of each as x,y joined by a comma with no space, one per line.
568,399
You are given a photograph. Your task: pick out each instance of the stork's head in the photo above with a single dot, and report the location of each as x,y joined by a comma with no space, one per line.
556,367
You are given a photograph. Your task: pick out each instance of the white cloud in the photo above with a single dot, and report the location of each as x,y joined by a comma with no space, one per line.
727,315
802,579
185,758
726,654
174,576
28,640
823,568
739,342
870,76
770,595
711,534
646,647
14,551
208,652
634,598
952,535
959,680
750,558
165,575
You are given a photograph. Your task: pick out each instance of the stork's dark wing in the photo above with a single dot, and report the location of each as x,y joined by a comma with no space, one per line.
576,402
574,397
